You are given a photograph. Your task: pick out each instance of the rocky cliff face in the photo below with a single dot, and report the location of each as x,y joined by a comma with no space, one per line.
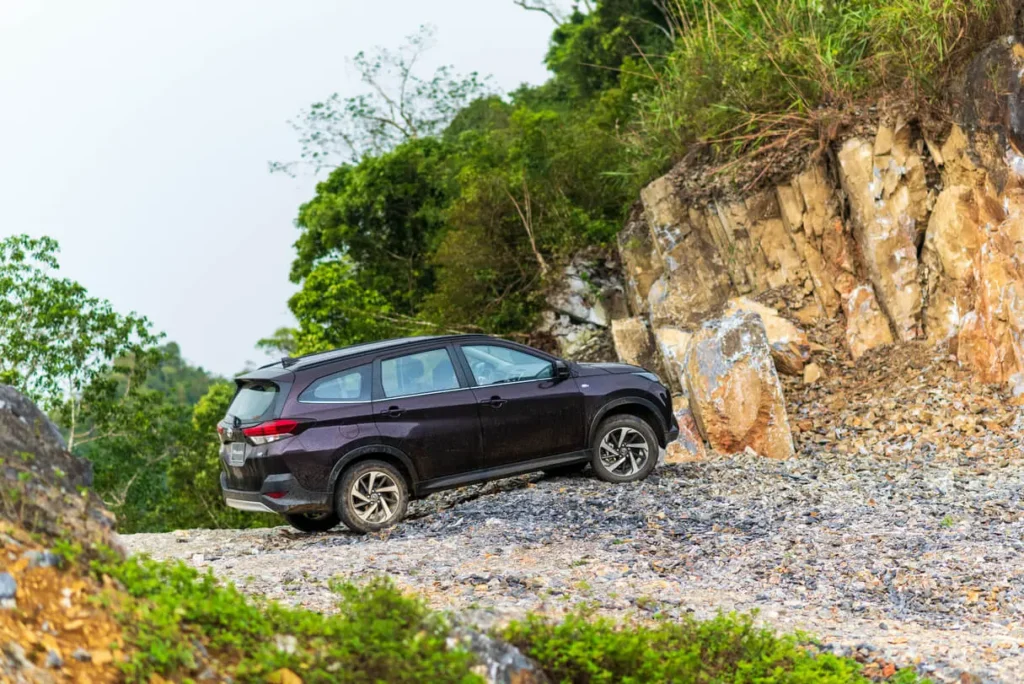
43,488
900,236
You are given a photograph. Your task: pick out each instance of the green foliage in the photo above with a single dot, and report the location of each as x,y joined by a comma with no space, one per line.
54,338
174,377
378,634
588,51
383,215
728,648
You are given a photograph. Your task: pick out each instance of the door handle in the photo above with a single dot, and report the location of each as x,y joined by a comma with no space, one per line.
392,411
494,402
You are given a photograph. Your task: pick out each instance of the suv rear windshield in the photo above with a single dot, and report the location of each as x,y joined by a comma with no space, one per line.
253,401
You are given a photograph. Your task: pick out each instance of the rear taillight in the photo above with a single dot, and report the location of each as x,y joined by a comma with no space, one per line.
265,433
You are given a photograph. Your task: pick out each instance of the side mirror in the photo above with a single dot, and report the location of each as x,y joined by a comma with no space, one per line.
561,369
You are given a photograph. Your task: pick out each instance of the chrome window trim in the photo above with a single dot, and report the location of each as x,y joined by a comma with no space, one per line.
423,394
516,382
334,401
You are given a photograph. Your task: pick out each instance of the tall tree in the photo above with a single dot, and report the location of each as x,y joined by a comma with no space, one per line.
55,339
399,105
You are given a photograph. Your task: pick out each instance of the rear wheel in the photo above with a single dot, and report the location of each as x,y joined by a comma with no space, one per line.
313,522
625,449
372,495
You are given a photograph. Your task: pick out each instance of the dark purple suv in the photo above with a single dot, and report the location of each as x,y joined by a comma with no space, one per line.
351,435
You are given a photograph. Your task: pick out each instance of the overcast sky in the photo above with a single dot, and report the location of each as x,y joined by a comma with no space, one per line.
138,135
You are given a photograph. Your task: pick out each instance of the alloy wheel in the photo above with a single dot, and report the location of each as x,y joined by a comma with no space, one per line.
624,451
374,497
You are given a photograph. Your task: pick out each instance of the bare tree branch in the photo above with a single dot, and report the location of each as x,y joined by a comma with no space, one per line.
544,7
527,219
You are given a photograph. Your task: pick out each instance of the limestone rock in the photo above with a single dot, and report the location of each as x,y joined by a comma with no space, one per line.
790,347
991,339
690,445
695,282
588,291
812,373
955,235
497,662
640,265
809,207
633,342
888,195
866,325
672,345
577,341
735,393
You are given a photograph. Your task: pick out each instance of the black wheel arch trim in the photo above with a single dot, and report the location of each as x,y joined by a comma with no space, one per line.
370,450
660,429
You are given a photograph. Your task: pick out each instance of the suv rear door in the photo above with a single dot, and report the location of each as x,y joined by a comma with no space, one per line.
259,397
525,412
423,406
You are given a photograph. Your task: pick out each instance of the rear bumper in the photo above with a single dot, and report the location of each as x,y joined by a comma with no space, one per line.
672,434
246,501
293,498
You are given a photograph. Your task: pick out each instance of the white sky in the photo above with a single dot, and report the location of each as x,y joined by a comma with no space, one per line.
138,135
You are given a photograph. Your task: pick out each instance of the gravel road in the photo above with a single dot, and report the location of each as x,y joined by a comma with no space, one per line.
898,530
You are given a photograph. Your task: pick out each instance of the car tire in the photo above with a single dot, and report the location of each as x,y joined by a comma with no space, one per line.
367,483
562,471
618,445
313,522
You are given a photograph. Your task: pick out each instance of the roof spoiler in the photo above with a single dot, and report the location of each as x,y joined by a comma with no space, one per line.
288,362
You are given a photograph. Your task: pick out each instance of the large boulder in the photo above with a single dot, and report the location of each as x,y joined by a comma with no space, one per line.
44,488
734,390
791,349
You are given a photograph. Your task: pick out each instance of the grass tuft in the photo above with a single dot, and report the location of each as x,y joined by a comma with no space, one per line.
746,76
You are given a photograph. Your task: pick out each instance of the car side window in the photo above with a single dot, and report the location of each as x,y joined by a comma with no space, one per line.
429,371
352,384
493,365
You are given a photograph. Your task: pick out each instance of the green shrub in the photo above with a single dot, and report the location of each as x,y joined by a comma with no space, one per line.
178,622
728,648
174,613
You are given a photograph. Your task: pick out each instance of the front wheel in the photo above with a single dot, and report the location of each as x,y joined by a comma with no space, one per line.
372,495
313,522
625,449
